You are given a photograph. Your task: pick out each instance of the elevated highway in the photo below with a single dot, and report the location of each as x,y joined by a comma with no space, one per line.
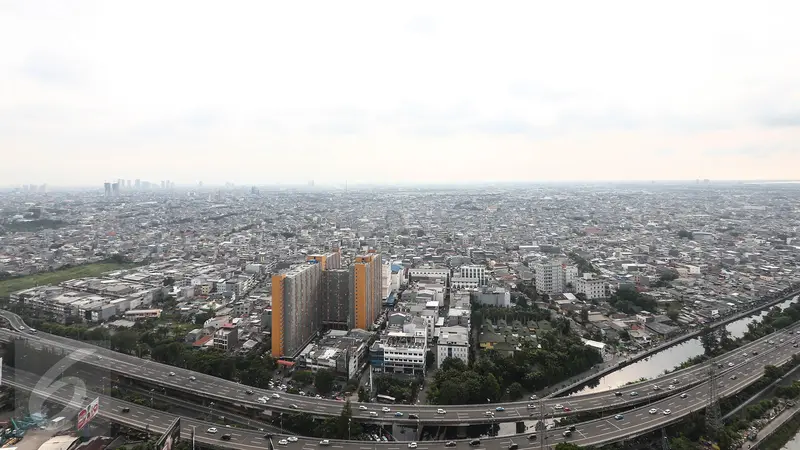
221,390
634,422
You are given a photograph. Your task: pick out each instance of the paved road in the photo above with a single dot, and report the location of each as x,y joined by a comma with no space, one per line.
634,422
222,390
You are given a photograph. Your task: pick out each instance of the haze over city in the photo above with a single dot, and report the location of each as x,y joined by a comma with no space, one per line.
281,92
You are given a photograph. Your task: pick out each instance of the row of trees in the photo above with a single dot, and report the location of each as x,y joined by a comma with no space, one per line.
165,344
323,380
630,301
494,376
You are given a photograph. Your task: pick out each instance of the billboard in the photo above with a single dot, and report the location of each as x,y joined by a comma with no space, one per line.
87,414
171,436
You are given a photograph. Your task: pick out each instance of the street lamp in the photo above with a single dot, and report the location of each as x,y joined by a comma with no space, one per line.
193,427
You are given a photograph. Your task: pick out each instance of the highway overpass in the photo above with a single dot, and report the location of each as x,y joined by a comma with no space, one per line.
221,390
634,422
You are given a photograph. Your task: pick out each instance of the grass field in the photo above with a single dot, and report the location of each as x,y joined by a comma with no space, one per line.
39,279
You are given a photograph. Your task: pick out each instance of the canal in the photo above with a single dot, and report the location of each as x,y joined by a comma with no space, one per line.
654,365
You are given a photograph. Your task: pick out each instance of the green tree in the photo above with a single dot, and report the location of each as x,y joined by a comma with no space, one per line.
303,377
685,234
673,314
430,359
567,446
515,391
124,341
345,427
323,381
584,315
772,373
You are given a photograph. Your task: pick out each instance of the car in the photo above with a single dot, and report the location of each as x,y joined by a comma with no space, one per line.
533,397
248,392
653,411
386,409
532,437
513,446
192,378
684,395
634,394
126,409
412,445
572,428
226,437
475,442
675,381
302,393
794,345
671,387
733,377
667,412
211,430
567,409
499,409
619,417
618,394
292,438
450,444
656,387
172,374
325,442
398,414
771,342
744,354
373,414
755,353
567,433
730,364
294,406
362,407
276,395
413,416
558,406
488,413
781,341
441,411
283,442
531,406
33,331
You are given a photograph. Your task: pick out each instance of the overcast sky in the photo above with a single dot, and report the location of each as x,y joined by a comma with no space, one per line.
270,92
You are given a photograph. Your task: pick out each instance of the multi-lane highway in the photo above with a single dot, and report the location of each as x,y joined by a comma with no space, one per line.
611,428
221,390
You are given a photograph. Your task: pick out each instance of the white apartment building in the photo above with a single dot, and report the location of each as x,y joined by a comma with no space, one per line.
473,272
464,283
592,288
453,343
426,273
404,350
570,275
549,277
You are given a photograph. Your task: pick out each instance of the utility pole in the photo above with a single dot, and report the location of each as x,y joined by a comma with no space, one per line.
542,426
713,414
664,440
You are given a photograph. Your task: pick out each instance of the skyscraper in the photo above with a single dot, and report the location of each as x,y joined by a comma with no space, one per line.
366,290
107,189
295,297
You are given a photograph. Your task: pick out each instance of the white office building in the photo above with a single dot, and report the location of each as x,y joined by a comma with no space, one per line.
549,277
592,288
453,343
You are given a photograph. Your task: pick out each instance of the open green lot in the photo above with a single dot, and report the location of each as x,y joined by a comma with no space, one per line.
39,279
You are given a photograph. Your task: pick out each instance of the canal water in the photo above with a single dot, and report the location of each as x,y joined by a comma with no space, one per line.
794,444
654,366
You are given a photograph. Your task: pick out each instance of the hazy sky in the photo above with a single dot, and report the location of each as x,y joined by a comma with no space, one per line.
289,91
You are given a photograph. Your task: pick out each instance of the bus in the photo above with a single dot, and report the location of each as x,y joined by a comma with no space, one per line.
385,399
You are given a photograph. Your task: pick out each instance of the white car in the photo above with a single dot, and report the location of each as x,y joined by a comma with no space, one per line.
559,406
324,442
192,378
730,364
412,445
671,387
653,411
533,397
172,374
441,411
386,409
291,439
362,407
667,412
684,395
211,430
283,442
276,395
373,414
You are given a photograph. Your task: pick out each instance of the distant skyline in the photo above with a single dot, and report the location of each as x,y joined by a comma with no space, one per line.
264,93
